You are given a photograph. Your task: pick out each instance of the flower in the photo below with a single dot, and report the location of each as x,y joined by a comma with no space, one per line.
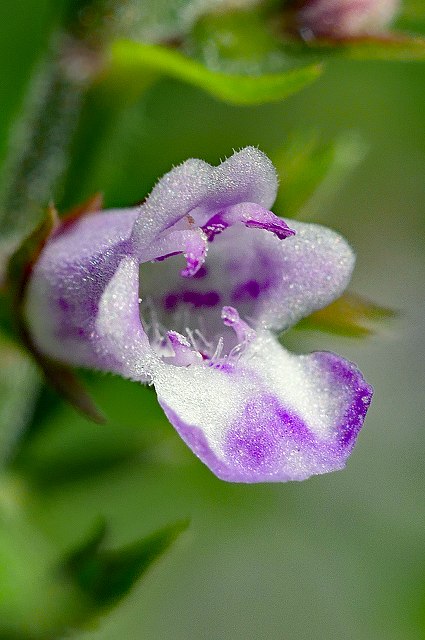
112,292
345,18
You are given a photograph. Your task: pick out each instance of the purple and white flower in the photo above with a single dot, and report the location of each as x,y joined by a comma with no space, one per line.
188,292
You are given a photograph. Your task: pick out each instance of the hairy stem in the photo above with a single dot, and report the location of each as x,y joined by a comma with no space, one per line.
40,143
38,150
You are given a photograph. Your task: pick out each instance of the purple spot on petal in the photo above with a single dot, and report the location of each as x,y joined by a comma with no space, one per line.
227,366
347,374
250,289
201,273
199,299
263,432
76,314
63,304
269,442
170,301
196,299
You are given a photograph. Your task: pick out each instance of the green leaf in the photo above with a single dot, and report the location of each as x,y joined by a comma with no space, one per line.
240,42
106,576
412,17
350,315
45,593
301,165
393,47
36,603
311,171
132,62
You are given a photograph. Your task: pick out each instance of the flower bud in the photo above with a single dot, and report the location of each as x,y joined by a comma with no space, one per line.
345,18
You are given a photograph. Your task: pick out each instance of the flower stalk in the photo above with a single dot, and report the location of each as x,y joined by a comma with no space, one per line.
40,144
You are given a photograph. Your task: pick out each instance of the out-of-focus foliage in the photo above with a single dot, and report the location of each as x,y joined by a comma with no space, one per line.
130,59
240,42
81,449
164,20
106,575
46,593
19,383
312,171
391,47
350,315
36,603
411,18
28,25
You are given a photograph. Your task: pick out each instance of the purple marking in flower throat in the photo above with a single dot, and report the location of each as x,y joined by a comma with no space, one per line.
249,289
196,299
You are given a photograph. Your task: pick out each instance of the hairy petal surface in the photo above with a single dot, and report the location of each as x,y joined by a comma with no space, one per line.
68,282
119,333
273,417
187,292
200,190
311,270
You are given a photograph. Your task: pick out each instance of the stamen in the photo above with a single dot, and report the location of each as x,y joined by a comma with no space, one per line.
155,331
208,344
243,331
215,358
195,253
191,338
177,349
183,354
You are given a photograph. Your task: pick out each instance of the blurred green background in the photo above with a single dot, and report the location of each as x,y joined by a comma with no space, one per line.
337,556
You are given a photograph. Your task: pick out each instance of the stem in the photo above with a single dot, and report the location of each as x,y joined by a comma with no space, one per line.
39,146
38,153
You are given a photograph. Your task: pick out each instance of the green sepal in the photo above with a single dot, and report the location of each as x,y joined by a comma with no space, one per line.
21,262
350,315
19,380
